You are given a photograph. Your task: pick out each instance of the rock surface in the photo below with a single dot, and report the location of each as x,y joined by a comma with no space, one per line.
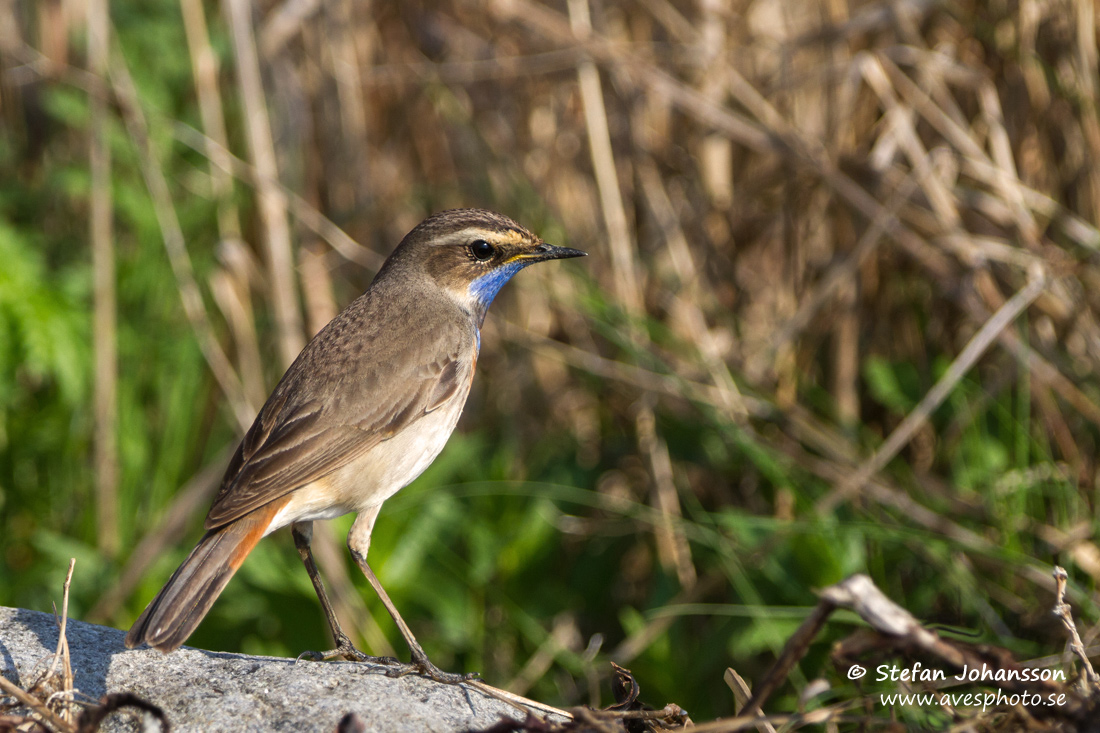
214,691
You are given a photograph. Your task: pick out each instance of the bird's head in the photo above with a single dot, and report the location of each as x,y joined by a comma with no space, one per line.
472,253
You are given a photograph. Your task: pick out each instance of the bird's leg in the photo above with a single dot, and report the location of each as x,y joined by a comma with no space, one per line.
420,661
358,543
345,649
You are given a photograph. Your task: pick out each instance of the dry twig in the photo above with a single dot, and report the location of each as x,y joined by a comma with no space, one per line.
1063,611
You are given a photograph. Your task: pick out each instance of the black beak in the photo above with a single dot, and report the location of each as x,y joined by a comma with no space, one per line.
546,251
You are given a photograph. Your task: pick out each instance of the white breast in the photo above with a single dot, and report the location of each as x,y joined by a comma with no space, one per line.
379,474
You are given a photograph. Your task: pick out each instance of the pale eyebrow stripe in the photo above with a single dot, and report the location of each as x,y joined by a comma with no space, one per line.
512,235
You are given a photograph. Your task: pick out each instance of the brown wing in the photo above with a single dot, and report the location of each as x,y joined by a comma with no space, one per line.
327,412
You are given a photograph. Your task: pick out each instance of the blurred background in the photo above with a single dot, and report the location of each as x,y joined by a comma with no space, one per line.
840,315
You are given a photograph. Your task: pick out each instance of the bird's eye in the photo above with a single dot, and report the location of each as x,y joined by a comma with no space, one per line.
481,250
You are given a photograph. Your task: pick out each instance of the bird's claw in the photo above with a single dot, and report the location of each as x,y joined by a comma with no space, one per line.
420,664
391,667
346,651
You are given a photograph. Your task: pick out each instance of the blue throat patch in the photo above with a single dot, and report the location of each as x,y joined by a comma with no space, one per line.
486,287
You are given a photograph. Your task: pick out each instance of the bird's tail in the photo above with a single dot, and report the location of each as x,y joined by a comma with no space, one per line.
183,602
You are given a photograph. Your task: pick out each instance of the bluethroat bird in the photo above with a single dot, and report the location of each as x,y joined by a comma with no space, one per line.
362,411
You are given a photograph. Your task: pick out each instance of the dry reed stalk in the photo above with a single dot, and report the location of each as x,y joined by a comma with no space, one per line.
834,279
11,44
104,303
1041,369
563,636
858,198
848,321
1086,85
690,295
283,23
672,546
672,543
317,288
933,102
204,68
352,186
793,146
846,357
715,152
54,26
176,246
966,359
231,285
943,202
306,214
621,249
271,201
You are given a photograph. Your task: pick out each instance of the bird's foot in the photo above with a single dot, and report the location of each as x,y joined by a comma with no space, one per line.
422,665
391,667
345,650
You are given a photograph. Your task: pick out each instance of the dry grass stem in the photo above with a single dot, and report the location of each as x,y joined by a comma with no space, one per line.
176,245
690,294
904,432
104,299
53,719
563,635
62,653
304,212
204,69
272,202
672,544
45,685
521,703
624,266
840,274
742,695
1063,611
230,288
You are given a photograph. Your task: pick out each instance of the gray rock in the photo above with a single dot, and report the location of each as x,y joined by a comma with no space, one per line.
213,691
